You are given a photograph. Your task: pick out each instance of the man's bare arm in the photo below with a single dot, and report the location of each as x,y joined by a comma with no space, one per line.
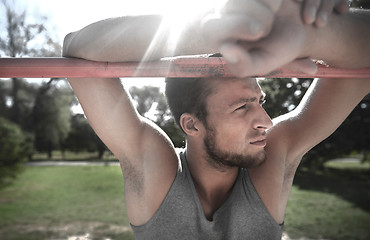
137,38
323,109
146,154
344,43
290,39
281,46
130,38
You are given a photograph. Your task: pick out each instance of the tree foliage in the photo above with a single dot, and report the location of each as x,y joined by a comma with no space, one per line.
15,147
51,116
151,103
83,138
41,109
361,4
20,39
23,38
283,95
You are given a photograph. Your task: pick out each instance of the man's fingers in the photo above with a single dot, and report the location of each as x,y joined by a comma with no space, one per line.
318,11
243,63
325,10
239,61
310,10
236,58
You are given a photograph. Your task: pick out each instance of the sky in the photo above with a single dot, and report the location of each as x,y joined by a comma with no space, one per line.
65,16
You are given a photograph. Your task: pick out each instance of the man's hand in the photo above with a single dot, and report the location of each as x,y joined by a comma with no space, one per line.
239,20
251,46
280,47
318,11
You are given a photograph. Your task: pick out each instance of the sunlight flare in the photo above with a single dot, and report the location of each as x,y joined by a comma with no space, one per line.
176,16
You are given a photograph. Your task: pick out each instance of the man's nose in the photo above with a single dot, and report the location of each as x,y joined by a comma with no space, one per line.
262,120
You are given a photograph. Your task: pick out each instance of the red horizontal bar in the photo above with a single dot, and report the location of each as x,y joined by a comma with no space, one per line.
194,66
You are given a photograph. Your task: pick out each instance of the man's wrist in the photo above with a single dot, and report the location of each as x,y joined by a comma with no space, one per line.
309,48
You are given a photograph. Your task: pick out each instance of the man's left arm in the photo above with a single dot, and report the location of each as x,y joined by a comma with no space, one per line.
324,107
343,42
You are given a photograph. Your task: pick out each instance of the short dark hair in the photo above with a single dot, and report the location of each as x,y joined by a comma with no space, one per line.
188,95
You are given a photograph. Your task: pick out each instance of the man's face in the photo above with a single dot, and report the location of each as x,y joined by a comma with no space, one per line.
236,124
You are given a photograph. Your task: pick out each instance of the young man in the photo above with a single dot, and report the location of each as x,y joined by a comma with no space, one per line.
234,179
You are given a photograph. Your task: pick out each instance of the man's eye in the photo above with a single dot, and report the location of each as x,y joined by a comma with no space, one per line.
241,107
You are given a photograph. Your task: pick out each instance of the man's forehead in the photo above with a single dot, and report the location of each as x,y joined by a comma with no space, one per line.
225,92
230,83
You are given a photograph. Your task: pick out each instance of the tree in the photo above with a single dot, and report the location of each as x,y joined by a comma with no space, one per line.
14,149
3,94
51,116
26,39
151,103
40,109
23,39
83,138
283,94
361,4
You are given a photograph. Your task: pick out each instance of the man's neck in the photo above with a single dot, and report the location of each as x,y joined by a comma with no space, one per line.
212,185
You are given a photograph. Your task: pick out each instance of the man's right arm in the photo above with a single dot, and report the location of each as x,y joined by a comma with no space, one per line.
150,37
127,39
146,155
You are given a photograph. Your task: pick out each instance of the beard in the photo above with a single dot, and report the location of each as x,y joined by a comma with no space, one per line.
223,160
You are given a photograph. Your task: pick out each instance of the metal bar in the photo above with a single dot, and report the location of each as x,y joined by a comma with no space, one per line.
194,66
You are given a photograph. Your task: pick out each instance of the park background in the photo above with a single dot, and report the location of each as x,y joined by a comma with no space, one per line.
41,122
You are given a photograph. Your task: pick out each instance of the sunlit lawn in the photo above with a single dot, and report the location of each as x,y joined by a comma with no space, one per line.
60,202
331,204
57,202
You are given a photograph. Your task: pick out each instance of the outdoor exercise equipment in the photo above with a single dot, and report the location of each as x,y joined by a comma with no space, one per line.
190,66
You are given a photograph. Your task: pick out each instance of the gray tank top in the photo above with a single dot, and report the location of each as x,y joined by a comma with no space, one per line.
180,216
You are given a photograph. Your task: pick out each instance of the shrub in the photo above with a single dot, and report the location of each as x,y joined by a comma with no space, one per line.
14,149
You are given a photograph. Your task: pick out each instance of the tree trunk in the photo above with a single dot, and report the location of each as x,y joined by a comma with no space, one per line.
101,153
50,151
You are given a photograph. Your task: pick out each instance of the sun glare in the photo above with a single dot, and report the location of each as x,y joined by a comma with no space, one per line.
177,14
189,8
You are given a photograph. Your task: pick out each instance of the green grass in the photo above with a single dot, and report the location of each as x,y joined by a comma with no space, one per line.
318,215
44,200
59,202
353,166
333,203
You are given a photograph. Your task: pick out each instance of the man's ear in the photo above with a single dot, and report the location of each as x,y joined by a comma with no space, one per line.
189,124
